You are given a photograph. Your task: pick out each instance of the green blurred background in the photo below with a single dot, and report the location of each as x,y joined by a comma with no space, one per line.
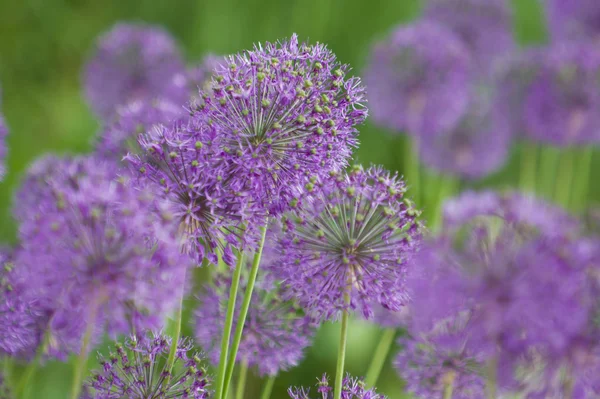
44,43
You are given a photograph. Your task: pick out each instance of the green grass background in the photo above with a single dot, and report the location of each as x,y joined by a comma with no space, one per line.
44,43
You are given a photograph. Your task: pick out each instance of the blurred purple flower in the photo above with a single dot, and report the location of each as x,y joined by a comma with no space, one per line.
136,370
275,333
282,113
134,62
421,73
573,19
352,388
357,236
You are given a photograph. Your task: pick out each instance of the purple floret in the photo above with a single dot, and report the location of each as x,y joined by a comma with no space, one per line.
421,73
136,370
282,113
356,236
352,388
275,333
134,62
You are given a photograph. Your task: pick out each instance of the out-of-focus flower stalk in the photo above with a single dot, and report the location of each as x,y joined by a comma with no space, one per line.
339,371
268,388
381,353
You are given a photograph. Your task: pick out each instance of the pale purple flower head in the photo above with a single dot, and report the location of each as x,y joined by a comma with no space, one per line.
282,113
179,164
475,147
134,62
101,252
275,334
428,370
573,19
120,137
562,105
356,236
485,26
422,72
136,370
352,388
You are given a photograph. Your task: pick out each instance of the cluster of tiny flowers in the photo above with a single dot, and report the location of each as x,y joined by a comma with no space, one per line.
100,252
134,62
352,388
275,334
136,370
355,238
282,113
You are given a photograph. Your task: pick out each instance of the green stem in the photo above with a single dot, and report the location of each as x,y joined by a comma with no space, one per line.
582,179
492,376
447,187
266,393
237,338
220,394
548,162
568,386
339,371
176,335
82,358
412,169
448,390
564,179
32,367
528,170
381,353
242,382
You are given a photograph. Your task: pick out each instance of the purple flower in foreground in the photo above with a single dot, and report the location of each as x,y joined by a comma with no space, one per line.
121,136
562,105
352,388
3,151
275,334
430,371
484,25
282,113
356,236
101,252
134,62
422,72
136,370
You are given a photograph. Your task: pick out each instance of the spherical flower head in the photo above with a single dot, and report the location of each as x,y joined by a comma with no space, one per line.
103,253
352,388
275,333
3,150
429,370
182,172
121,136
283,113
562,104
575,19
475,147
356,238
421,72
134,62
484,25
137,370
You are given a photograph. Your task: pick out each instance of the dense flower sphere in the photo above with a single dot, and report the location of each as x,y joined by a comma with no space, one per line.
430,371
573,19
352,388
275,334
356,238
134,62
136,370
210,218
475,147
121,136
562,106
282,113
484,25
420,72
102,255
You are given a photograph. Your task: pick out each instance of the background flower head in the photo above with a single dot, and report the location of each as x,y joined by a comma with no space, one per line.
352,388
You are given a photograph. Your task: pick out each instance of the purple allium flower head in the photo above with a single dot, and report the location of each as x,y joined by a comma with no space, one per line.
562,106
134,62
3,150
428,370
352,388
573,19
282,113
183,172
356,236
475,147
136,370
102,253
484,25
275,333
421,72
121,136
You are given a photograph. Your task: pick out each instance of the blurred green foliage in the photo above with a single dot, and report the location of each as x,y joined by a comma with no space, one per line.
44,43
